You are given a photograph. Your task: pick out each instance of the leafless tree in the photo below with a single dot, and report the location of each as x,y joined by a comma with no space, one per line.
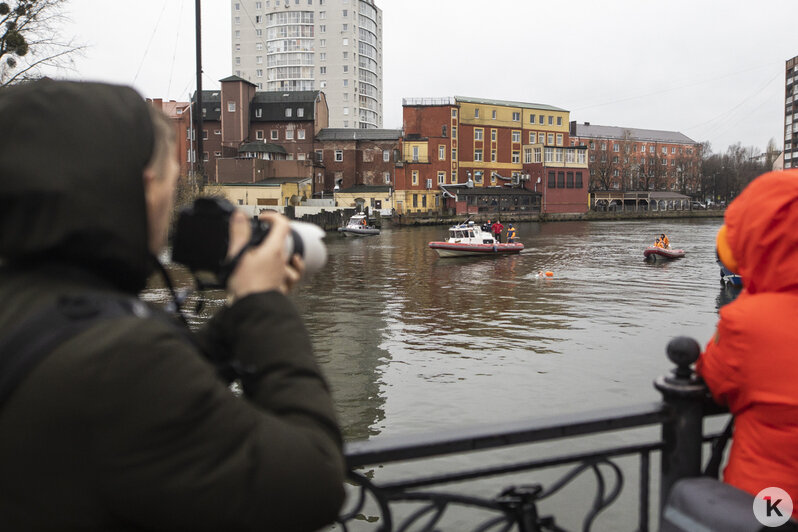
30,40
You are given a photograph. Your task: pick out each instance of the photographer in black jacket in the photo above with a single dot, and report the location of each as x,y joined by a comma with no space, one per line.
126,425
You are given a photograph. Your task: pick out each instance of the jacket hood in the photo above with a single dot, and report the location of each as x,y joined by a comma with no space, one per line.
71,190
762,232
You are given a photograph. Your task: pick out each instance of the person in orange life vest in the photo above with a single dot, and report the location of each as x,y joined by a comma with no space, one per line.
486,227
364,223
658,243
497,229
665,242
751,363
511,236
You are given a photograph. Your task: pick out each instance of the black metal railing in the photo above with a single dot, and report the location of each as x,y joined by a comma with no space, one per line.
680,416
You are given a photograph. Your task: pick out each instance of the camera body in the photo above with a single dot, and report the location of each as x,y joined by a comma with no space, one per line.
202,238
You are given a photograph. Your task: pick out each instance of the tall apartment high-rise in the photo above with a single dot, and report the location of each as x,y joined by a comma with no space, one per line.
298,45
791,114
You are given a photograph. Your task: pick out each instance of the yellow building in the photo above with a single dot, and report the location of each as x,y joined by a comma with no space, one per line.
271,192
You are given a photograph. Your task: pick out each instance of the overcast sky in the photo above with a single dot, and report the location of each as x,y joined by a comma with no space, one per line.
711,69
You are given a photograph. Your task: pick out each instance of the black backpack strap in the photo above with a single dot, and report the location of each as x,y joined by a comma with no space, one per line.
30,342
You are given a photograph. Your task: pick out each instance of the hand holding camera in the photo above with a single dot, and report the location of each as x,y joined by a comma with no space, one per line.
264,267
225,248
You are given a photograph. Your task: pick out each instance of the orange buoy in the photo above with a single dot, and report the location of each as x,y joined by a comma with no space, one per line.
549,274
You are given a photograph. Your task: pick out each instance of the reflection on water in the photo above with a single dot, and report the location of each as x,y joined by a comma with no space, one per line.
412,342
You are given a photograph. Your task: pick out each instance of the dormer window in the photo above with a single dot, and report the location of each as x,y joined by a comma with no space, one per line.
258,113
288,112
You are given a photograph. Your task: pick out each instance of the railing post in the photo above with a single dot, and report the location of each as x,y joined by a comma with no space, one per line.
683,392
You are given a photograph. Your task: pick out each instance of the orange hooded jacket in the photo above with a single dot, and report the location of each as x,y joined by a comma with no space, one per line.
751,363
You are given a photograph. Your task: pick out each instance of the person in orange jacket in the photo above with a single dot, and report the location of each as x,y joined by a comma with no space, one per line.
665,242
751,363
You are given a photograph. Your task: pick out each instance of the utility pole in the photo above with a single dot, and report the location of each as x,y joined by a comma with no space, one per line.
200,161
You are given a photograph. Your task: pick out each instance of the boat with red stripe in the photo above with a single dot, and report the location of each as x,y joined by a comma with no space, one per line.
469,239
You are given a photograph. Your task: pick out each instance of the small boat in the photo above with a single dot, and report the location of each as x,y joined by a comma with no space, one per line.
656,253
728,277
469,239
358,226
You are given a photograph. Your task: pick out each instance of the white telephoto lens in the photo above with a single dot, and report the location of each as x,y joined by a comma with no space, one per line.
314,252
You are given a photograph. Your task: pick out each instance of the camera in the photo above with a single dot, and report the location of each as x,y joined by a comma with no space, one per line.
202,237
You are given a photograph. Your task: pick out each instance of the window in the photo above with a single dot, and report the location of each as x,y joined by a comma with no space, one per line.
259,134
548,154
616,147
560,179
527,155
454,113
300,134
238,21
558,155
453,179
346,83
275,134
300,112
319,157
346,69
288,112
559,120
493,114
516,136
477,133
476,112
386,156
531,137
231,107
531,119
454,154
259,59
217,154
559,139
289,134
322,43
339,156
345,12
217,131
258,19
552,180
550,139
665,150
441,152
424,197
387,176
259,73
569,180
415,154
537,155
258,113
578,183
673,150
516,157
477,155
443,131
551,120
415,179
516,116
322,28
323,70
651,149
322,15
454,132
541,138
493,135
493,156
441,178
346,41
204,134
478,176
415,200
603,146
238,60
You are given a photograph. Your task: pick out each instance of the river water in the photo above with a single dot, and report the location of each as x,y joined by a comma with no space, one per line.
411,342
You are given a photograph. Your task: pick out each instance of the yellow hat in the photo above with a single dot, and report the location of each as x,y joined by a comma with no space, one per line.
724,250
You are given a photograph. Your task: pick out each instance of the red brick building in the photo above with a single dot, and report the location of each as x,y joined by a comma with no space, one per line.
249,134
639,159
490,145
